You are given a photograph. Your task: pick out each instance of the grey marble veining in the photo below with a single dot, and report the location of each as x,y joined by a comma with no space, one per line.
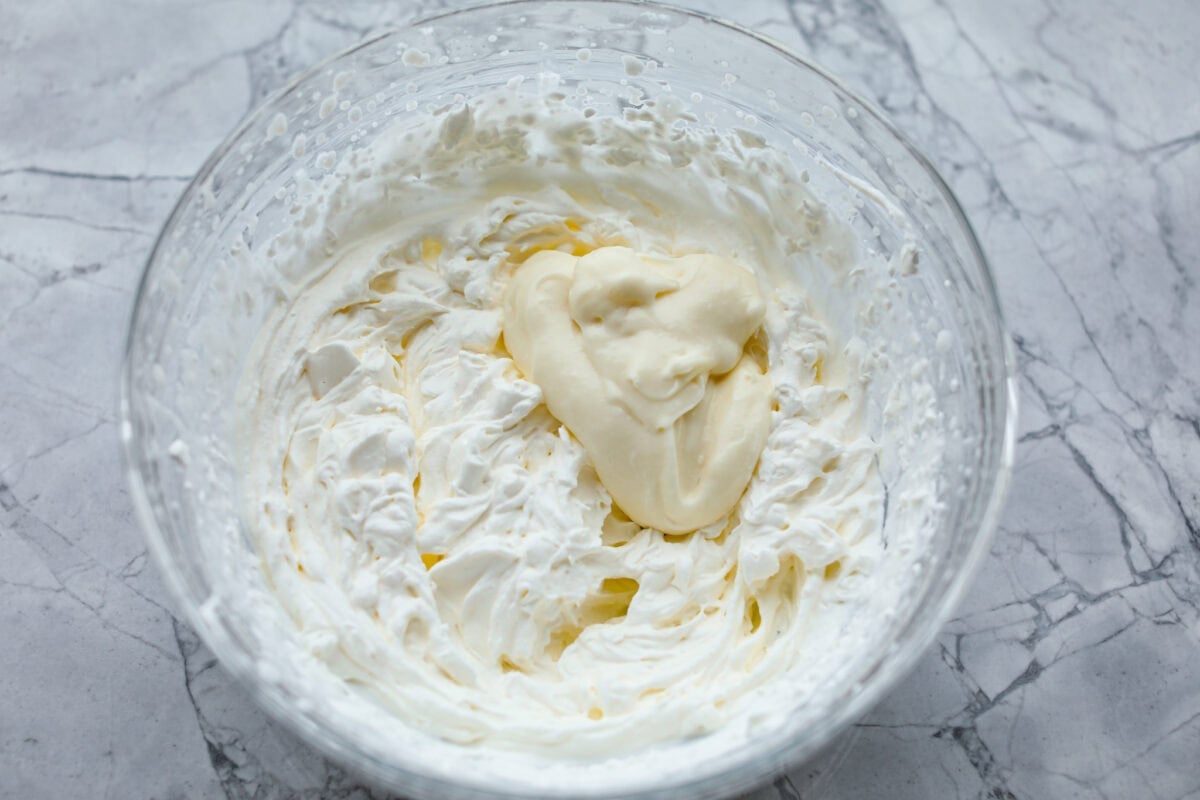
1069,130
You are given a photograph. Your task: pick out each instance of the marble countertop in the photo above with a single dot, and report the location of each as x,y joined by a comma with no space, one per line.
1070,131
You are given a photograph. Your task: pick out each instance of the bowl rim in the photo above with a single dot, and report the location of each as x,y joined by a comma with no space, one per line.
881,677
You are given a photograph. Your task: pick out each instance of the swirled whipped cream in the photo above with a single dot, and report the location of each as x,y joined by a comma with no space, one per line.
443,533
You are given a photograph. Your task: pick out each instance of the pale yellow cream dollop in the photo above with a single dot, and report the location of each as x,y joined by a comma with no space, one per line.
646,361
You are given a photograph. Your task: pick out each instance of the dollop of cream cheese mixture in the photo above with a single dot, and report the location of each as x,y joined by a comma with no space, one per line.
547,444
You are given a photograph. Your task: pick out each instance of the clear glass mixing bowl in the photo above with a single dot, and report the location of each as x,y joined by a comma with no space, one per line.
195,319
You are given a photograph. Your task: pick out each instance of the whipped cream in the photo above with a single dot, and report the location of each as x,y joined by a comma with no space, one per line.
450,553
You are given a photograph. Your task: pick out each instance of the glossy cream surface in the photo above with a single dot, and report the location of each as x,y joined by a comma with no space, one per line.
649,364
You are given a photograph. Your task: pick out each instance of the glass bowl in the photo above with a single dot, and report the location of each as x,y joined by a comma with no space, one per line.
196,315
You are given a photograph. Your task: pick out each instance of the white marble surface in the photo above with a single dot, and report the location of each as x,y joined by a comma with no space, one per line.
1071,132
